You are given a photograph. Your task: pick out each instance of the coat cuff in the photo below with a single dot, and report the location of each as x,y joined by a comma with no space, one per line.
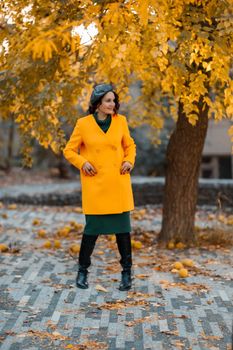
128,160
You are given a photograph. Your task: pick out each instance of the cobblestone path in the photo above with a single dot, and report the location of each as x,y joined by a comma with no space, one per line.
41,308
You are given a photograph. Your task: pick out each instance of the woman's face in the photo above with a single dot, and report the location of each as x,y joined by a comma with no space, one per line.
107,104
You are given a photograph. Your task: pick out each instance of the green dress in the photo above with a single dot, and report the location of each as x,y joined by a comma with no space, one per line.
106,223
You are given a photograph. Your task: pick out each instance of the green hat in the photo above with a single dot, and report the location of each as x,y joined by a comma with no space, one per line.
99,91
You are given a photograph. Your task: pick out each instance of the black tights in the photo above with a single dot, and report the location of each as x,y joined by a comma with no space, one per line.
88,245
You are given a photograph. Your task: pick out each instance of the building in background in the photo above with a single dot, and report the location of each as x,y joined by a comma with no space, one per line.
217,160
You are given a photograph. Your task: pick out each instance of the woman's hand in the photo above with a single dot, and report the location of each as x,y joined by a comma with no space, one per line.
126,167
88,169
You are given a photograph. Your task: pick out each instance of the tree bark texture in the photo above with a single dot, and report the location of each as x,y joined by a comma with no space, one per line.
183,159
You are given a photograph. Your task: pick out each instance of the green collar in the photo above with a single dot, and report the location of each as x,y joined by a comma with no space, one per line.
102,121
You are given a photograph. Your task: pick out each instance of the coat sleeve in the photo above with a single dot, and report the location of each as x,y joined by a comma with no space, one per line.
128,144
70,151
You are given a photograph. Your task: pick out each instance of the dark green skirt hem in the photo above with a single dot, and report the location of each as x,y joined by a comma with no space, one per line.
107,224
105,233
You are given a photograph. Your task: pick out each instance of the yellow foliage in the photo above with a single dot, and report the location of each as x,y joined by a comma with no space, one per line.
64,63
143,11
41,48
177,50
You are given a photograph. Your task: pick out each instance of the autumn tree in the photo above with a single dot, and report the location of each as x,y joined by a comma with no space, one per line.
180,50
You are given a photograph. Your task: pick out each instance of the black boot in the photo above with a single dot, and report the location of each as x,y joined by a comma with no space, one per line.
124,247
86,249
126,280
81,279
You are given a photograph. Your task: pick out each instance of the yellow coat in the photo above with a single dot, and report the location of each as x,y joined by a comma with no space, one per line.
109,191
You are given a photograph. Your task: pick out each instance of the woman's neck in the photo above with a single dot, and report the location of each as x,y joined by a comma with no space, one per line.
101,115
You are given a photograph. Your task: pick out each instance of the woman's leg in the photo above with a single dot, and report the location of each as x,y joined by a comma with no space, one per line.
125,250
86,249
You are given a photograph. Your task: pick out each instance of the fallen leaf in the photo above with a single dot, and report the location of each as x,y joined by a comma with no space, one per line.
12,206
100,288
141,275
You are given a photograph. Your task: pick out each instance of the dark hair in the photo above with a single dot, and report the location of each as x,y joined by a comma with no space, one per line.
92,107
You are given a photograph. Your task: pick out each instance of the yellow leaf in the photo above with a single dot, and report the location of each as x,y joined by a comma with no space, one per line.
3,248
100,288
180,245
222,218
141,275
47,244
171,245
12,206
136,244
100,252
187,262
112,238
41,233
75,248
64,231
178,265
192,118
57,244
36,222
183,273
230,131
77,210
207,66
143,11
230,220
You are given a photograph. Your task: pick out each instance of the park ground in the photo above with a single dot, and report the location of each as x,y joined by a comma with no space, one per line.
41,308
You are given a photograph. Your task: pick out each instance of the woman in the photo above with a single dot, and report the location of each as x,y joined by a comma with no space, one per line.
106,158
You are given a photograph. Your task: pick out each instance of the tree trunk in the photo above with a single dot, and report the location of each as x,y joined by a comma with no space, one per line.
183,160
